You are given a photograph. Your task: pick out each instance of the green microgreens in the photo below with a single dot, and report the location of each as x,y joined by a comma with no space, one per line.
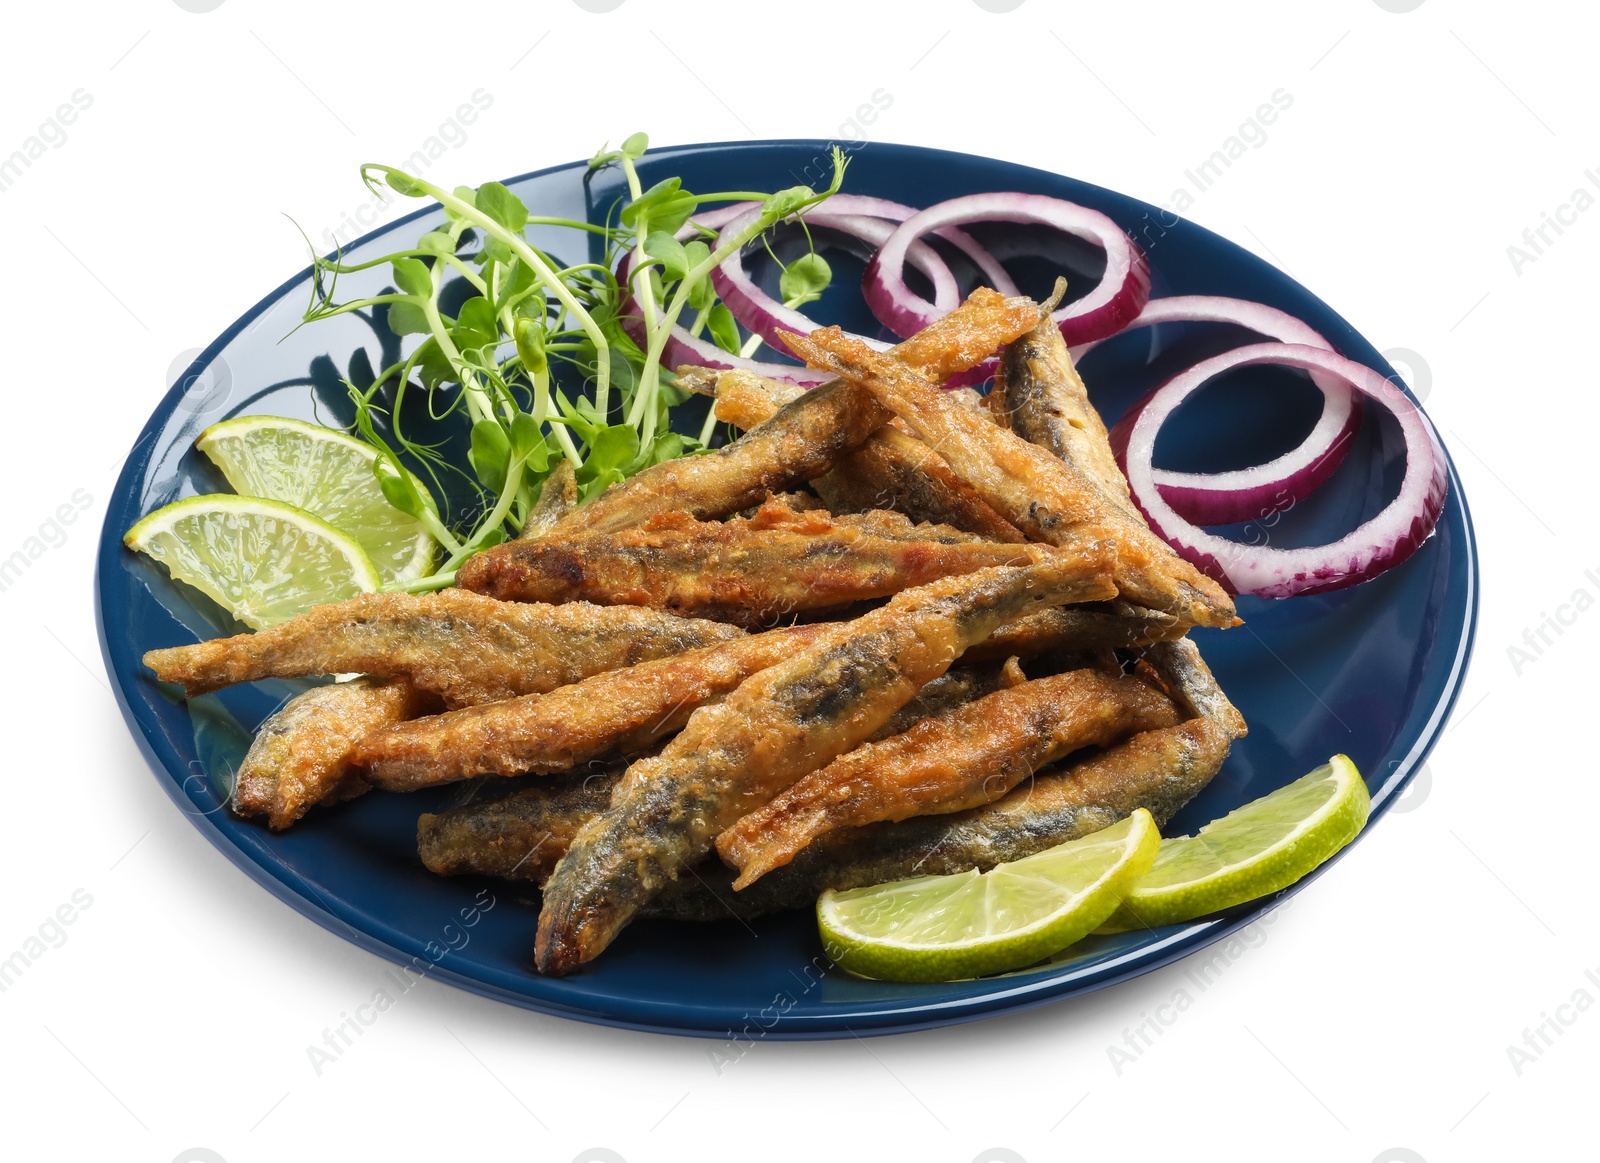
802,282
491,356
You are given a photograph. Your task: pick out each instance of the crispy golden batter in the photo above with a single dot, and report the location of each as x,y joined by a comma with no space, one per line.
805,438
622,710
302,755
797,500
519,836
750,571
1034,489
970,756
462,646
1113,625
741,397
557,498
898,527
778,725
891,469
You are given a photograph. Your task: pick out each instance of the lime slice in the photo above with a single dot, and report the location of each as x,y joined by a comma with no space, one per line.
944,928
263,561
1251,852
325,473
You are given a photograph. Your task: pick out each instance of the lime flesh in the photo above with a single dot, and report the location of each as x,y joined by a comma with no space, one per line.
945,928
262,561
1252,852
327,474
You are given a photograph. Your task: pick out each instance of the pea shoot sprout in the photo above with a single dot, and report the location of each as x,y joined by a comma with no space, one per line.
493,313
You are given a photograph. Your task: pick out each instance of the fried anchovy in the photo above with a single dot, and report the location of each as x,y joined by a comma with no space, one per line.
522,834
967,757
1113,625
780,724
519,836
749,571
620,710
462,646
302,755
804,439
557,498
891,469
1040,396
1159,770
1038,492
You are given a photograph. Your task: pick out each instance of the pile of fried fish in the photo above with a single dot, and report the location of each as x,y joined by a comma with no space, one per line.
891,630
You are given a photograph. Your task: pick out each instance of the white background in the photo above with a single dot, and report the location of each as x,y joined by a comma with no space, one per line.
1371,1021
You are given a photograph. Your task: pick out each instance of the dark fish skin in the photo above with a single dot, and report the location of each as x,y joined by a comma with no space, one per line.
895,470
890,470
1191,683
805,438
1031,487
1040,396
955,687
464,647
780,724
1100,626
519,836
752,571
304,754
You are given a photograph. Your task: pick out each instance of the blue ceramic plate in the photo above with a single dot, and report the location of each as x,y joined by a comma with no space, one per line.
1371,671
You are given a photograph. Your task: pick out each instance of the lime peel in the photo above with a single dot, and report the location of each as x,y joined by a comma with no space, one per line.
1252,852
328,474
262,561
946,928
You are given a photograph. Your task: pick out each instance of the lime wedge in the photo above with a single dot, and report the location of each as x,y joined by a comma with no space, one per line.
328,474
1251,852
263,561
944,928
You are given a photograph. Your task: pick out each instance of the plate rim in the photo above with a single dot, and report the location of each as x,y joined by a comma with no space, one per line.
886,1018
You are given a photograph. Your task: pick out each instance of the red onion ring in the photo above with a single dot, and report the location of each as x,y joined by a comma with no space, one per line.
713,219
960,239
765,316
1245,494
1379,544
1118,298
868,219
682,347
